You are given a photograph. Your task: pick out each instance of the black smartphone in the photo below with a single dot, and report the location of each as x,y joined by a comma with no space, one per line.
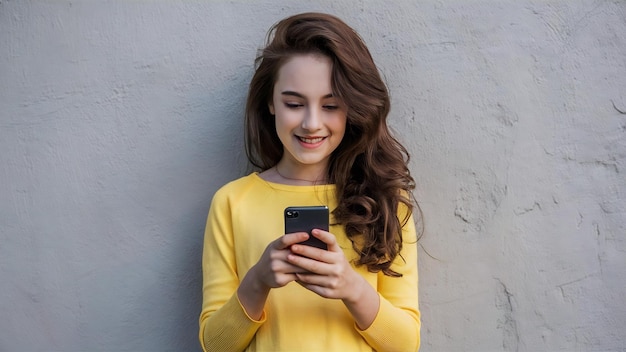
305,219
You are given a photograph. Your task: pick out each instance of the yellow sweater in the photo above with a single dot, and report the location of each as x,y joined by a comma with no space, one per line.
245,216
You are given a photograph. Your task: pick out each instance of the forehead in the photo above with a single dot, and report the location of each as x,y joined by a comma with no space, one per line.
305,73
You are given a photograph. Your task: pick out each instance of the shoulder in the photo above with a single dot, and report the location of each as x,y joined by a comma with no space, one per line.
407,216
237,188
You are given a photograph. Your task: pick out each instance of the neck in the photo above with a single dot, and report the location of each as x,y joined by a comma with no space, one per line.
301,177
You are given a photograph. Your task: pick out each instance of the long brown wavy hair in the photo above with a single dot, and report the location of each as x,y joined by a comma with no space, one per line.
369,167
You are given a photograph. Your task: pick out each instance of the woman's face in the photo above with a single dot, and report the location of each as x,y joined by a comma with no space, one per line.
310,121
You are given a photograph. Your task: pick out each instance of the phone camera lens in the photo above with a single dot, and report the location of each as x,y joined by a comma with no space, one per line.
295,214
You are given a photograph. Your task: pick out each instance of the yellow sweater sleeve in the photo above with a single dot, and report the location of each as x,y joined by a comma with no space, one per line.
397,324
224,324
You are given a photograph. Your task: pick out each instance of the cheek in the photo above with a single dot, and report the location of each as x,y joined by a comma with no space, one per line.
284,125
279,125
280,119
340,126
286,118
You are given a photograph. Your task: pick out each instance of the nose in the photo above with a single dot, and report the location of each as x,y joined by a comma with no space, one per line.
312,120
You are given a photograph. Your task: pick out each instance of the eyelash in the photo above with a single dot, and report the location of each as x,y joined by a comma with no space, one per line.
296,106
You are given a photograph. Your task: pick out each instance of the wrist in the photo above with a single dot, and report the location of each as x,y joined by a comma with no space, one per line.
359,290
254,282
252,294
363,304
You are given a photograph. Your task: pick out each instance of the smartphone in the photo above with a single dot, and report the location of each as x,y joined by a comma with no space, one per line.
305,219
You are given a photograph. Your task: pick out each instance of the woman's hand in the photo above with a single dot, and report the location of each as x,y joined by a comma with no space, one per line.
271,271
329,274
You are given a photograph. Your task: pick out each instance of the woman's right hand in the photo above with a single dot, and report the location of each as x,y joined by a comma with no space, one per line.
271,271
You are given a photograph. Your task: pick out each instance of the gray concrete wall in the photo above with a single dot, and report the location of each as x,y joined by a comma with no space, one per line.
119,119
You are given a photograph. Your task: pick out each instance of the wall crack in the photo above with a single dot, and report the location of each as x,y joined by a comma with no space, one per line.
507,323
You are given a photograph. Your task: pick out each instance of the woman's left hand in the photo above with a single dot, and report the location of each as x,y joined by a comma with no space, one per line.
330,275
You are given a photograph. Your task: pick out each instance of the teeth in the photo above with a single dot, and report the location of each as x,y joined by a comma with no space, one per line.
311,140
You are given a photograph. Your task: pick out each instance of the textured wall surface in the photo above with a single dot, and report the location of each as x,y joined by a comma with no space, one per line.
119,119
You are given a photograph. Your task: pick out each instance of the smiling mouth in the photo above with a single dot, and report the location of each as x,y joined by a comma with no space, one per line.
311,140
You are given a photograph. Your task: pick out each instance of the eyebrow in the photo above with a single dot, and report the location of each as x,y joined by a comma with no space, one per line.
298,95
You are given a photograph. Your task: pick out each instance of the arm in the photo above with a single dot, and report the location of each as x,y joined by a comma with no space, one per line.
271,271
386,316
232,312
330,275
224,324
397,324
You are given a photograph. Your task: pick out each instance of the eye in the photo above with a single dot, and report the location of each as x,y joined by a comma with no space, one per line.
293,105
331,107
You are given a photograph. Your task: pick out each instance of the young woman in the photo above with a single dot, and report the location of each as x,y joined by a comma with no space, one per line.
316,130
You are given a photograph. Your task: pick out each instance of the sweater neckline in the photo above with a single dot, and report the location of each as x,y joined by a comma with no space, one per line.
292,188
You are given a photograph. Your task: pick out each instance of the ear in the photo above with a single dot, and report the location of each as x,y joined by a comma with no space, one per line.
270,105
